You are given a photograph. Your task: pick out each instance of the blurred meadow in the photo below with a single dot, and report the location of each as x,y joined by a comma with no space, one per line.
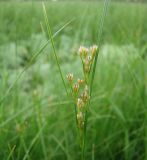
36,116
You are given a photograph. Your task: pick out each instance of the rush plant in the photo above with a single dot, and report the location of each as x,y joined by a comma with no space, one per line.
80,92
81,88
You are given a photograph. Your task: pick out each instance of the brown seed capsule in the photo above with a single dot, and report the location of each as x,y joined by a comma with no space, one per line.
93,50
85,96
80,103
76,88
80,81
80,117
83,51
70,77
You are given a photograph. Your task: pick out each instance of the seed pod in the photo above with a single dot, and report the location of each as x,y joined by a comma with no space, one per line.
93,50
80,103
83,51
80,119
70,77
80,81
85,96
76,88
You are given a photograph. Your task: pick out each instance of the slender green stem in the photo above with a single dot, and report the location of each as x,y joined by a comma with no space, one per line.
83,69
93,74
100,32
75,110
84,137
85,131
53,46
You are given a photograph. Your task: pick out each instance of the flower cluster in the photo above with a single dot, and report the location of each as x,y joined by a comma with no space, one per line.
87,56
81,88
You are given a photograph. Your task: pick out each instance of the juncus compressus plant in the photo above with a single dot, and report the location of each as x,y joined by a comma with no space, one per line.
80,91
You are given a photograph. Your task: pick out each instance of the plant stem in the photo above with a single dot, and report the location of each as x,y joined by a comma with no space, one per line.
84,134
53,46
100,32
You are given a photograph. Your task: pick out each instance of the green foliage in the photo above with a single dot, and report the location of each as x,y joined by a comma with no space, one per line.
36,117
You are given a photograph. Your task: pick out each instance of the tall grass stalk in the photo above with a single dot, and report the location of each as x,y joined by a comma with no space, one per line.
82,94
99,40
53,46
100,32
33,142
11,152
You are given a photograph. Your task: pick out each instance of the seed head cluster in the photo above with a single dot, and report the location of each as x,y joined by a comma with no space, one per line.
70,77
87,56
81,88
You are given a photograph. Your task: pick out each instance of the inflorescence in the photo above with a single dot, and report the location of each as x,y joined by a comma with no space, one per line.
81,88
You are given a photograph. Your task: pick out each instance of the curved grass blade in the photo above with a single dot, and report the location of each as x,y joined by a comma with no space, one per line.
105,8
100,32
11,152
33,142
53,46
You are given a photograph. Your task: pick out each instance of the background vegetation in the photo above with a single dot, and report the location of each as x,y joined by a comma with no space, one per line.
36,116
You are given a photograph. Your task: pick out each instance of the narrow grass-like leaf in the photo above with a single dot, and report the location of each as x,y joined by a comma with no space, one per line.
93,71
11,152
100,32
59,142
28,107
53,46
33,142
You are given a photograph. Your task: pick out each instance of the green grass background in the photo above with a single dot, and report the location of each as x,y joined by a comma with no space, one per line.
36,117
